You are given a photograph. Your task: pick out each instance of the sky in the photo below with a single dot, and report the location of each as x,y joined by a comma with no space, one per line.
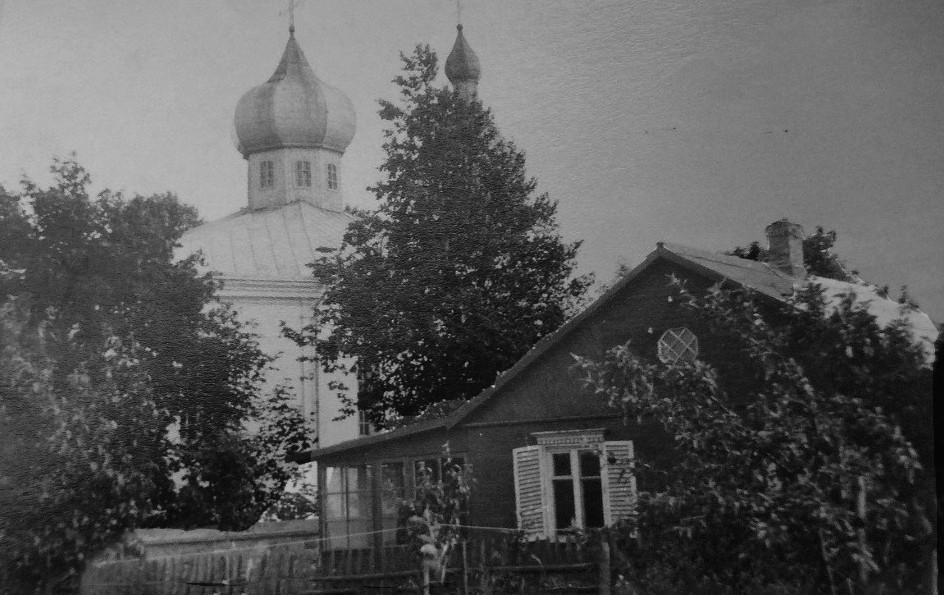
693,122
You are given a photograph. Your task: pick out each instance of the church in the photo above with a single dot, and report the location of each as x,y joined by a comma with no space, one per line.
293,130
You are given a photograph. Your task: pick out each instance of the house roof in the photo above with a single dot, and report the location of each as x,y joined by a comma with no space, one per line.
750,274
273,243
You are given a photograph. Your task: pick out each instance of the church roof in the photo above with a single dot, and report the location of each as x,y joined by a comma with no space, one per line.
294,108
267,244
462,64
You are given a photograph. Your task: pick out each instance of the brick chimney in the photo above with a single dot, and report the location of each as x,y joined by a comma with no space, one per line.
785,246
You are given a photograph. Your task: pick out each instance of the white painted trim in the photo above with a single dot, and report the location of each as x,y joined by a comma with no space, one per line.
605,481
517,482
617,444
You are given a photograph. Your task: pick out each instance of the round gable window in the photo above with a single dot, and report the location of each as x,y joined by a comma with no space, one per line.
678,344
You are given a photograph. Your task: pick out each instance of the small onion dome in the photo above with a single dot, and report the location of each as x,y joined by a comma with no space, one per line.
462,65
294,108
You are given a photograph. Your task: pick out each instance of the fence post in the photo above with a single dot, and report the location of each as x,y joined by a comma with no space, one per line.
863,545
605,588
933,582
465,568
484,576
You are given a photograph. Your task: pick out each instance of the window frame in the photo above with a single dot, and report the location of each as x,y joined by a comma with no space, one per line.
576,478
364,427
302,173
533,473
266,174
437,471
349,538
677,336
332,176
389,537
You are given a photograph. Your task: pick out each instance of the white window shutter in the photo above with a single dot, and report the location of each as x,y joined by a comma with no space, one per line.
529,490
619,483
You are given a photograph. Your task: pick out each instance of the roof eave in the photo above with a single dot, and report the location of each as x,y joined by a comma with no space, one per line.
366,441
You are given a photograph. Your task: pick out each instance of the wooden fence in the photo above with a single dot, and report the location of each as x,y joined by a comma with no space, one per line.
480,564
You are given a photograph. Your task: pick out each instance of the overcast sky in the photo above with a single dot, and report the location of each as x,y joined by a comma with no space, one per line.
690,122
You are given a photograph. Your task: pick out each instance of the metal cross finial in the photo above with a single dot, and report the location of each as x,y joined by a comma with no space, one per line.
291,16
458,12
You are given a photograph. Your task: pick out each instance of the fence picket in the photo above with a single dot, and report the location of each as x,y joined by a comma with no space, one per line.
158,577
278,569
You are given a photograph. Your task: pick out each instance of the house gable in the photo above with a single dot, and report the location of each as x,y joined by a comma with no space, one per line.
639,309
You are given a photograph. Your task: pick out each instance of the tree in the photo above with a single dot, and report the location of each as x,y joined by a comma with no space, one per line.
459,270
125,388
803,458
817,255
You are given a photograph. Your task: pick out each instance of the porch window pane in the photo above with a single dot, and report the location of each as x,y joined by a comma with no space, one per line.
426,468
334,506
391,487
455,464
391,492
347,506
355,508
337,534
335,479
359,534
357,479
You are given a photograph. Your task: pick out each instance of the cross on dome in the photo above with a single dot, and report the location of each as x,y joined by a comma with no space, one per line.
291,15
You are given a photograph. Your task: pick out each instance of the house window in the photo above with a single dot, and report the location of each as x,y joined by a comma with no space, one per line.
434,468
677,345
303,174
332,176
347,507
577,489
364,427
266,174
392,491
572,480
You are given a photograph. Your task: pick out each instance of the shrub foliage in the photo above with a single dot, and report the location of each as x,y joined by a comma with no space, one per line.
125,389
802,459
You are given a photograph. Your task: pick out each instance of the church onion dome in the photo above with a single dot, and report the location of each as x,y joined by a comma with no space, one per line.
462,64
294,108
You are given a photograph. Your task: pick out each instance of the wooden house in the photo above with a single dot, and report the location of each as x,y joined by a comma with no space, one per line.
544,453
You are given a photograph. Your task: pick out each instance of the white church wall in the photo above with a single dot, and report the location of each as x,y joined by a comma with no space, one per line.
307,382
333,431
